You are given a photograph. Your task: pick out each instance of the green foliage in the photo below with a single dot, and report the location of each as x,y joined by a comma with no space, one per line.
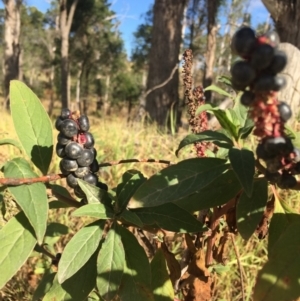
161,283
79,250
178,181
110,264
32,124
17,243
104,259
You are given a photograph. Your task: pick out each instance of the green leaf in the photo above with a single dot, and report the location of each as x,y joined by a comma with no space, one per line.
131,218
219,192
282,217
136,280
76,288
279,279
169,217
56,229
98,211
208,135
110,265
177,181
127,175
17,242
11,142
224,79
220,91
161,284
58,205
79,249
225,119
246,130
250,210
243,164
31,198
44,285
94,194
32,124
128,190
240,110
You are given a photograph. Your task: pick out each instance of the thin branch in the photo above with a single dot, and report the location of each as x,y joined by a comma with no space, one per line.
134,161
22,181
161,84
55,177
71,15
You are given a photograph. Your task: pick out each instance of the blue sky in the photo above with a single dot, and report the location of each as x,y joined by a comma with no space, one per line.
130,14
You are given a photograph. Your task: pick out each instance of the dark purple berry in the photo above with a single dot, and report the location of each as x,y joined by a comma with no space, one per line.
102,186
60,150
261,153
84,123
269,83
273,165
69,128
94,167
69,164
86,158
242,73
65,113
91,179
287,181
284,111
82,171
58,123
63,170
72,180
73,150
278,146
94,151
273,37
89,140
247,98
63,140
278,63
262,56
273,177
243,41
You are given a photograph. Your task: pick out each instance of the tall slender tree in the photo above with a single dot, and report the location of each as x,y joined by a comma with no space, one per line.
212,29
65,21
12,46
163,59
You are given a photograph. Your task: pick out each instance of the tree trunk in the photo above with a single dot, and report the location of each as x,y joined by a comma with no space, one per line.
163,58
212,28
286,15
12,46
65,18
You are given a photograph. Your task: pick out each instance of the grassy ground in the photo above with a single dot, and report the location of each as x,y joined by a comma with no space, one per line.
115,141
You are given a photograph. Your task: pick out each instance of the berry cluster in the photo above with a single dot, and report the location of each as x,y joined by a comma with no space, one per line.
75,145
256,75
